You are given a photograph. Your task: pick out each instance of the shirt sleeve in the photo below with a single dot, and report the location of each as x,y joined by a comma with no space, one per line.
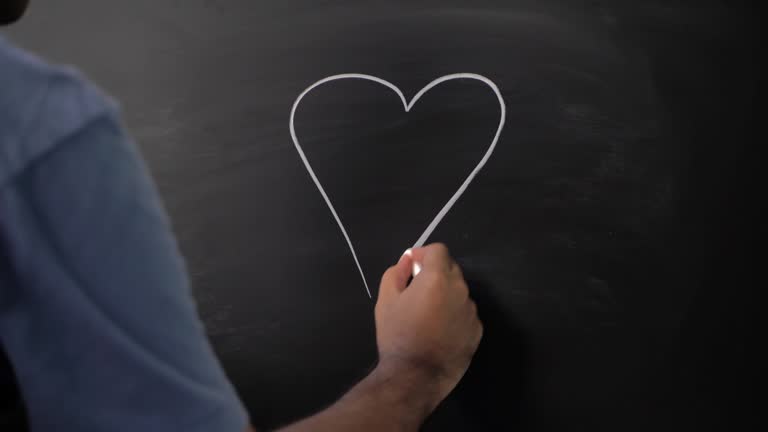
96,313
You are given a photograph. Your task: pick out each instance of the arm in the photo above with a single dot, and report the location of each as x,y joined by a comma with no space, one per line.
390,398
97,280
427,332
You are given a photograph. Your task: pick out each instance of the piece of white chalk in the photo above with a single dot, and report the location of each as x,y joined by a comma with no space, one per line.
416,266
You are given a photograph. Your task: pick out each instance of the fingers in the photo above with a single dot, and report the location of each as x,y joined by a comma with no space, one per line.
437,257
443,272
472,309
433,257
416,264
477,325
479,330
395,279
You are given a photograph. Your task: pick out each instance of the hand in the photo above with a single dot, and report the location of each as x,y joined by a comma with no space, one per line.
430,327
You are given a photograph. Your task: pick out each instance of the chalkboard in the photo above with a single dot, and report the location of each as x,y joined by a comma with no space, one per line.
597,238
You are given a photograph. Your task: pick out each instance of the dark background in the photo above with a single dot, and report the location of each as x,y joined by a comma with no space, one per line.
606,240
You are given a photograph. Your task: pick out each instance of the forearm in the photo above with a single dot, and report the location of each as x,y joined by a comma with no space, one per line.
391,398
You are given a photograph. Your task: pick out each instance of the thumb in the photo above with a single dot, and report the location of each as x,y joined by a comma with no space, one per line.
395,279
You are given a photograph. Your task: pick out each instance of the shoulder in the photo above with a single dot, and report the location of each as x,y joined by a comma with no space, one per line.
40,106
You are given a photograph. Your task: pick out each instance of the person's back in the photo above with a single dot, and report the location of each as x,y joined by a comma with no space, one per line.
96,314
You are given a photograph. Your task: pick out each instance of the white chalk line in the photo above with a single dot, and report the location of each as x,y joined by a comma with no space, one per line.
407,105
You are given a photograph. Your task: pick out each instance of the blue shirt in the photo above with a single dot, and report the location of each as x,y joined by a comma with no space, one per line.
96,313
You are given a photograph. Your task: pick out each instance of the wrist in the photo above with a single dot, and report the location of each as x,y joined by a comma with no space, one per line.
416,389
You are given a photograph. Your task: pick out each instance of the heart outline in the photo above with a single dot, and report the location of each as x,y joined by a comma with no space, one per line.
407,105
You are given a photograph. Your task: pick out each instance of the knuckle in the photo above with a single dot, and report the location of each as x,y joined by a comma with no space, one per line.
463,289
440,246
457,269
433,276
437,280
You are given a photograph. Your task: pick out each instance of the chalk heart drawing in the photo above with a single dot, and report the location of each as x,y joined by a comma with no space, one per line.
407,105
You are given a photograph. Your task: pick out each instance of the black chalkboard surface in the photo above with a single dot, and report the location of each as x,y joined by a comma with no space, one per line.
597,239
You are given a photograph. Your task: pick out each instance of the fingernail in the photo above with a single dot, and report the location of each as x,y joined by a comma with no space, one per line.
416,268
405,254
